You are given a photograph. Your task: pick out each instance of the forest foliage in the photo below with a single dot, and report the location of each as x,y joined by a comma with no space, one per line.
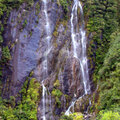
104,25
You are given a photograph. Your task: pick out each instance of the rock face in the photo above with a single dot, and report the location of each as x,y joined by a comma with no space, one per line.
82,104
25,34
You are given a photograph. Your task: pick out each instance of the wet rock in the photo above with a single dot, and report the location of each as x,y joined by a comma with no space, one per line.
82,104
90,116
72,78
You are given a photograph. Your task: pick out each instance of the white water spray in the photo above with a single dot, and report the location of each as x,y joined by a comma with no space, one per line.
45,62
79,41
43,100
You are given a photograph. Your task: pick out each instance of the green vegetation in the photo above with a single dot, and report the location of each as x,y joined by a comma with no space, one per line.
104,50
109,76
65,117
77,116
24,24
57,83
26,109
57,94
6,53
64,4
74,116
109,115
1,39
102,23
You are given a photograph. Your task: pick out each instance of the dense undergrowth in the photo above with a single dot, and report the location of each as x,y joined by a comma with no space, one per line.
26,108
109,77
103,24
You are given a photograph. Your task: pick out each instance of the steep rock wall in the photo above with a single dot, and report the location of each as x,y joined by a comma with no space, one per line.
24,34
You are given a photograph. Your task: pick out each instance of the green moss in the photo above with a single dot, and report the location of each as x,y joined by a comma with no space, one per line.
57,94
24,24
55,33
25,36
68,99
57,101
1,39
2,28
30,33
31,73
65,117
0,73
37,8
6,53
77,116
58,3
57,83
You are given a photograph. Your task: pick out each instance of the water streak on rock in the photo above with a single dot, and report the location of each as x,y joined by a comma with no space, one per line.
45,62
79,42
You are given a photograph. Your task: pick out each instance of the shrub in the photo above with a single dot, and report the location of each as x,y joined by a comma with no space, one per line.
77,116
64,4
1,39
56,93
65,117
74,116
24,24
6,53
109,115
57,83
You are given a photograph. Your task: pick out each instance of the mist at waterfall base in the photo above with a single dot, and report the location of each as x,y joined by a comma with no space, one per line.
79,40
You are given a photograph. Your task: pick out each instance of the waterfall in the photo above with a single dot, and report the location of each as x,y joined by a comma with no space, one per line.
48,37
45,62
44,93
79,40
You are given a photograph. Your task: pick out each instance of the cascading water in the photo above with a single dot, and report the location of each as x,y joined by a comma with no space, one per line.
44,93
45,62
48,37
79,42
